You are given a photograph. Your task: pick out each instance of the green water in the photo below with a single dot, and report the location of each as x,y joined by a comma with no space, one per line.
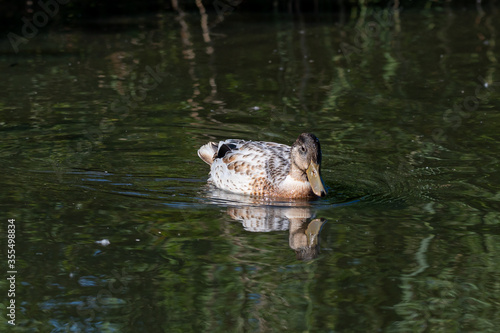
405,107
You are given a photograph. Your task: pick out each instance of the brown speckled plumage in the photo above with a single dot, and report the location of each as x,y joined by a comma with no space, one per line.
263,168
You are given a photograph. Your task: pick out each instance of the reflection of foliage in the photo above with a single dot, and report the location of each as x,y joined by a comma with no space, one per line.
76,172
456,295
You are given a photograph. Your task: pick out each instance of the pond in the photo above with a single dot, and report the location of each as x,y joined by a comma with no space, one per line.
117,230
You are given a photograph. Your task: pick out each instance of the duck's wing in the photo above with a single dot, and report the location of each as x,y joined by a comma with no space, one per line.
250,167
210,151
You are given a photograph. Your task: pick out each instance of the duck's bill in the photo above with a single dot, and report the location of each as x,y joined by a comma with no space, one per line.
315,180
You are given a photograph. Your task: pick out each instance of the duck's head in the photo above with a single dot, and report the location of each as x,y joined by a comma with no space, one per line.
306,157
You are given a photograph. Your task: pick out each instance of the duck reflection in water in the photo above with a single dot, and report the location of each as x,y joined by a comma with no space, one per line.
260,215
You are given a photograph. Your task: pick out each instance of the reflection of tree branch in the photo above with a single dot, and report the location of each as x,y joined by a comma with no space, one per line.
189,54
204,24
421,257
210,52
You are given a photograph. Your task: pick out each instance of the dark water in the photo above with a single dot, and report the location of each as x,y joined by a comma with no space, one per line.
100,129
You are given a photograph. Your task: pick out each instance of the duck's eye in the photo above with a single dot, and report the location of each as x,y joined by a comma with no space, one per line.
303,149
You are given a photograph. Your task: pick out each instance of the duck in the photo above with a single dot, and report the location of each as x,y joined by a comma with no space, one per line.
266,169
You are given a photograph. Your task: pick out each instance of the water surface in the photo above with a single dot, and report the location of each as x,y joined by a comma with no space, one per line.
100,129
